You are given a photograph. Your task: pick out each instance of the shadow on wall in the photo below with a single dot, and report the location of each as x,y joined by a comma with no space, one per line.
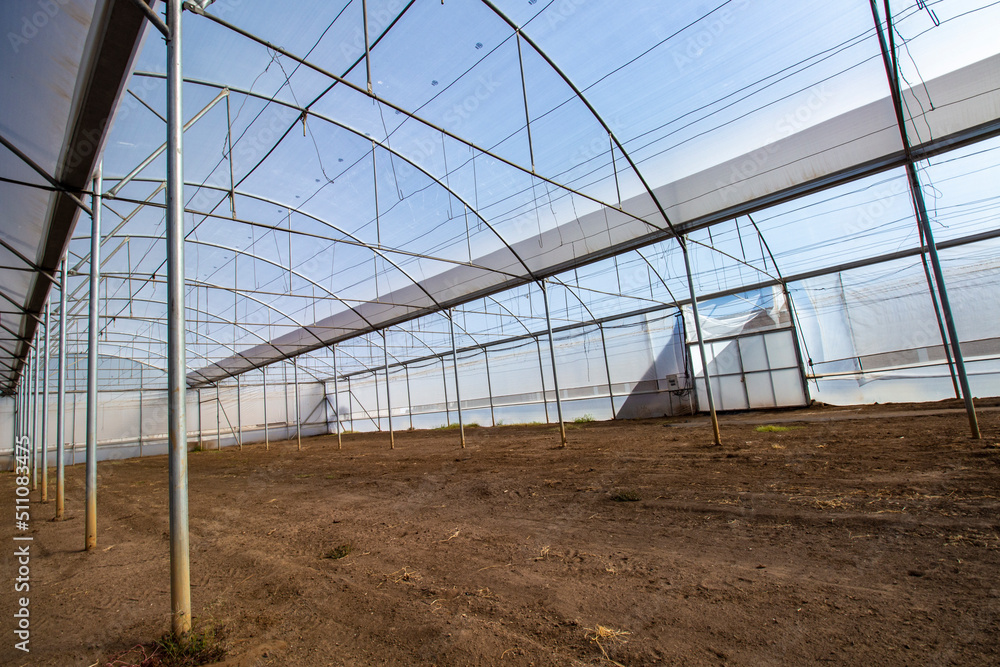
664,389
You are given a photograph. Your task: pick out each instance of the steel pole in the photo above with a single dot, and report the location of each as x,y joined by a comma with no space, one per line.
218,418
938,317
336,396
23,420
15,447
963,377
701,344
923,220
541,375
180,572
45,405
350,402
555,373
298,417
239,414
36,410
33,415
263,391
92,331
201,430
454,362
409,395
140,411
444,383
489,386
799,359
607,369
388,398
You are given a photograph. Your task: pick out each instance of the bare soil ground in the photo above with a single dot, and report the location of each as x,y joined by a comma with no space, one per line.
860,536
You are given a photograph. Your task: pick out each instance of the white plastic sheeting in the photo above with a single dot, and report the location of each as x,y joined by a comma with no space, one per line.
319,212
42,48
306,228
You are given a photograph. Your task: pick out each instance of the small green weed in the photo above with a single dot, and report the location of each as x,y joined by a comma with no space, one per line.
198,647
338,552
625,496
770,428
450,427
584,419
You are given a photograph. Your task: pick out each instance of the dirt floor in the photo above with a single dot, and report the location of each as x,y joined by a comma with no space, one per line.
859,536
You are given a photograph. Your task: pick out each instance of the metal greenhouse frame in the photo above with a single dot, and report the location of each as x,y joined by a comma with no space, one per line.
482,220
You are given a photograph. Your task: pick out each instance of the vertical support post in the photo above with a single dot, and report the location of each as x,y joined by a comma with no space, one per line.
937,315
378,402
298,420
17,417
388,397
923,220
92,330
263,391
326,408
489,385
45,405
201,430
607,369
180,572
454,362
218,417
239,414
19,424
701,342
336,397
541,376
236,313
350,401
140,411
963,377
555,372
798,350
33,412
409,395
61,402
444,383
22,394
26,401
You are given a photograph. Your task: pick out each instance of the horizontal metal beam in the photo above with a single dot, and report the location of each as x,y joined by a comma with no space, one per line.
805,275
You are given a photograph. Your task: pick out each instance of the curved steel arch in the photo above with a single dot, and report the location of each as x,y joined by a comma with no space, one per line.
163,342
530,274
443,131
597,116
333,295
354,241
249,295
380,144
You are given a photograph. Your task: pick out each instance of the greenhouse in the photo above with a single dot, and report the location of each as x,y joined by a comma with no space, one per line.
248,226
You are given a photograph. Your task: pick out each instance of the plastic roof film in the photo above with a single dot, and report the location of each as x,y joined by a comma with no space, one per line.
506,142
